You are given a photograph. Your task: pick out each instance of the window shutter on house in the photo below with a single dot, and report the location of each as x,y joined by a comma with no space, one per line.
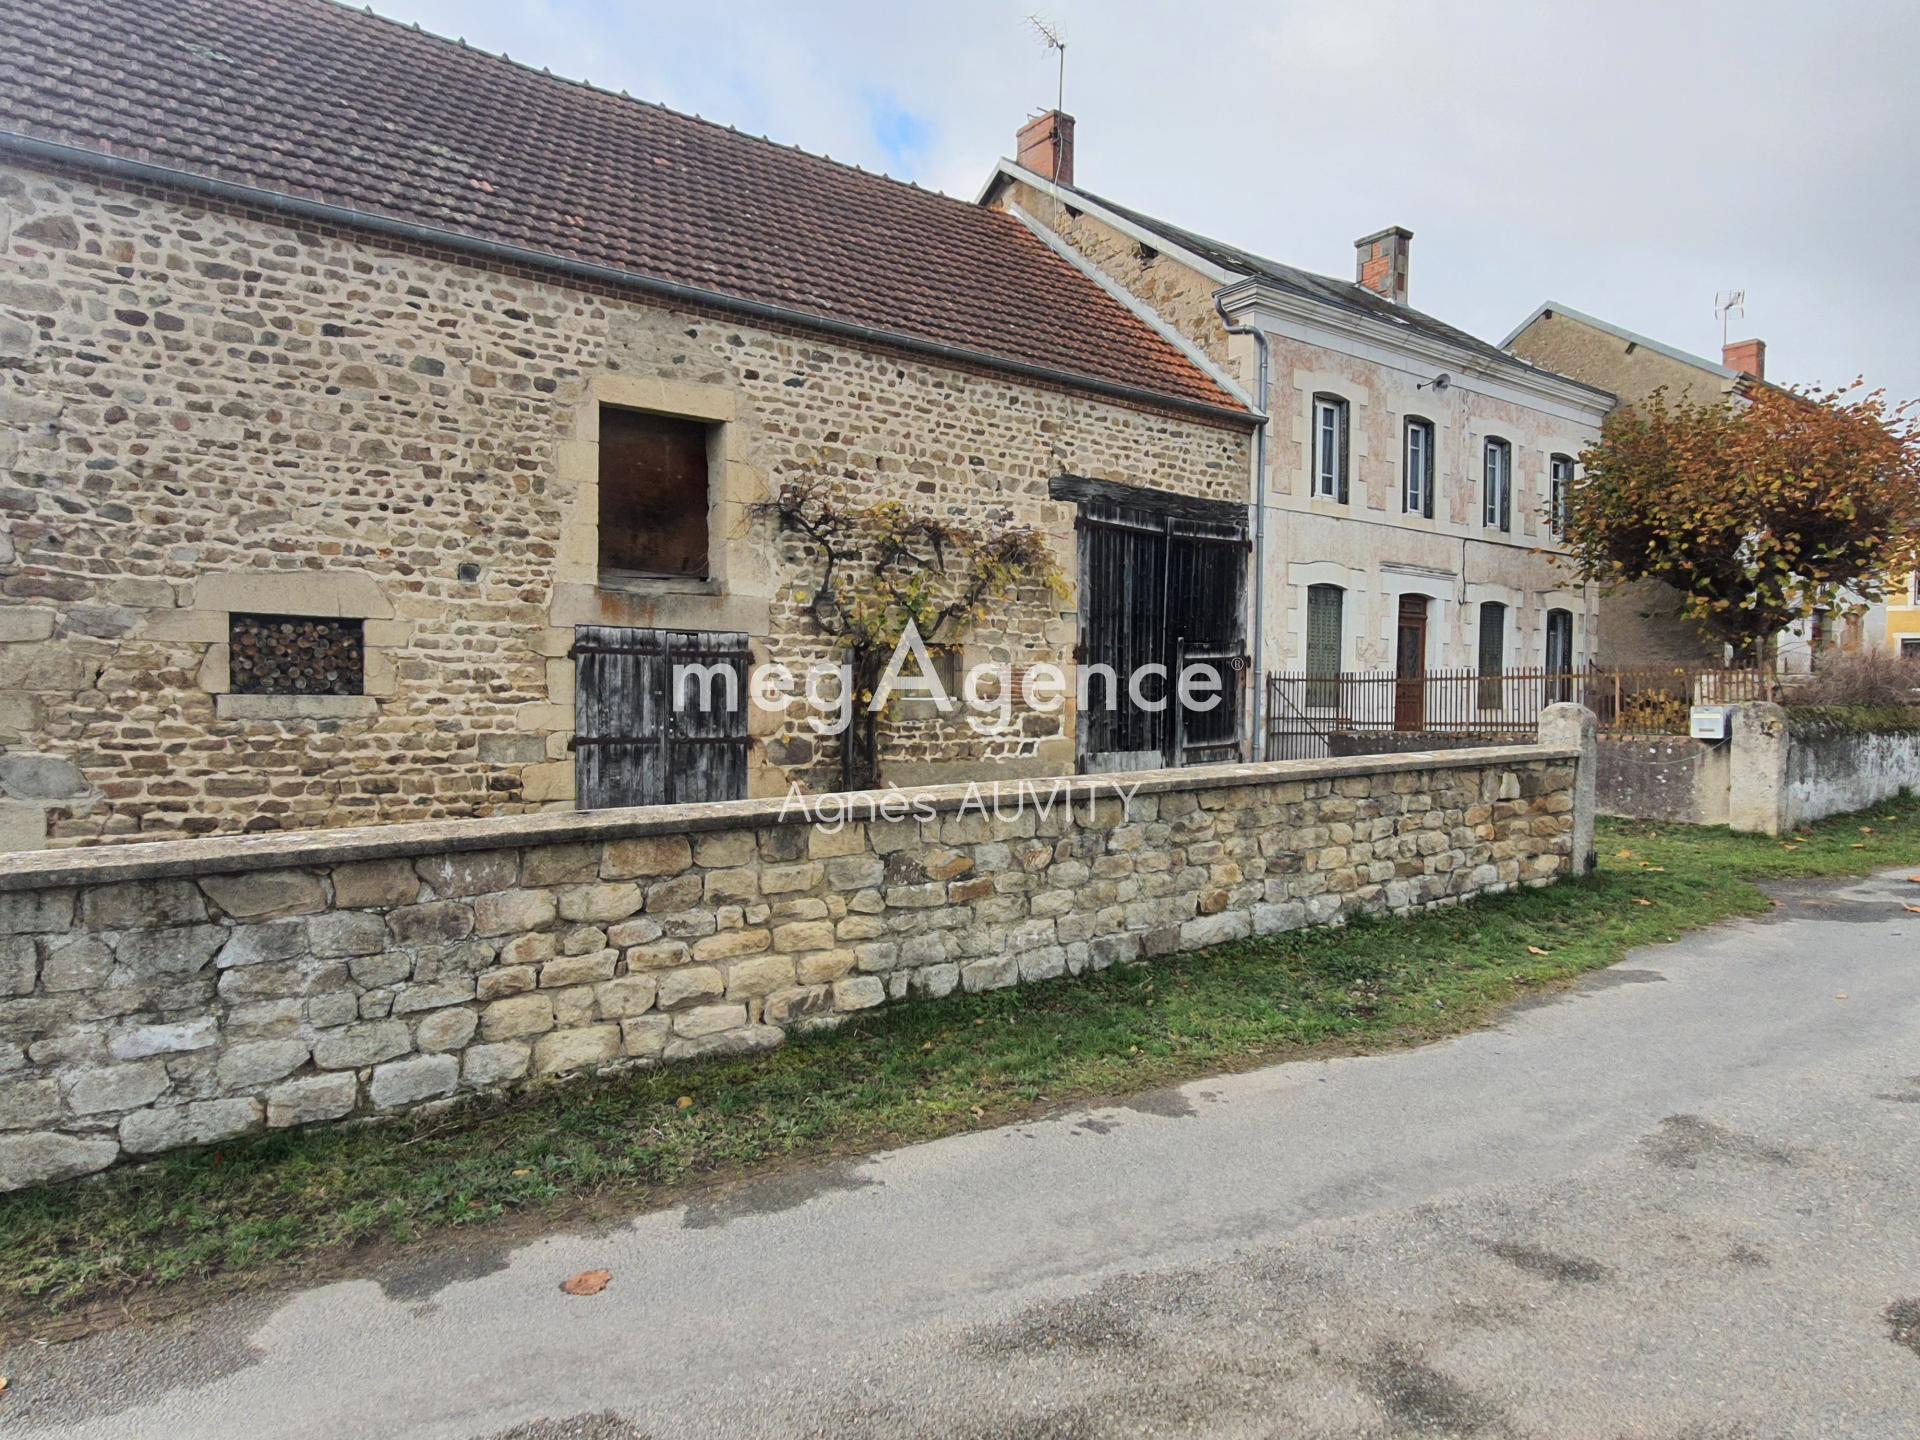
1325,604
1346,429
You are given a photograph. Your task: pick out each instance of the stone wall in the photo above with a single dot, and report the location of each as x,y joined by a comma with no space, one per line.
1774,772
182,993
1663,777
209,411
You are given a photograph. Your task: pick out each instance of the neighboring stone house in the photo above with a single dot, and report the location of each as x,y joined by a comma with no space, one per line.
347,373
1410,467
1641,623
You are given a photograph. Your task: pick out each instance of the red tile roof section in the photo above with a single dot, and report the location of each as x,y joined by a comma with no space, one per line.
311,99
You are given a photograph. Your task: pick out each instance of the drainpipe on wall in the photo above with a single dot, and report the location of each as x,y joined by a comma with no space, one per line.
1259,526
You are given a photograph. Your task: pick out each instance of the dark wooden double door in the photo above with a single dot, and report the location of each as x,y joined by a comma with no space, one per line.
1160,586
655,719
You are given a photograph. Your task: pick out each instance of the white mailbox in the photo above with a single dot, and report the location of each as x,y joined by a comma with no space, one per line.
1711,722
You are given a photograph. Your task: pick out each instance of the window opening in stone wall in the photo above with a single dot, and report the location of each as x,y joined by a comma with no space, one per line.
653,494
296,655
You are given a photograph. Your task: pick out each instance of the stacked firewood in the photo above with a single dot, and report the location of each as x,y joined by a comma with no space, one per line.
295,655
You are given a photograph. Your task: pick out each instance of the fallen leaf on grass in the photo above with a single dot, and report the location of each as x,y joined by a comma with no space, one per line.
1653,869
1536,950
521,1171
685,1102
1623,855
587,1282
1638,901
976,1111
1858,845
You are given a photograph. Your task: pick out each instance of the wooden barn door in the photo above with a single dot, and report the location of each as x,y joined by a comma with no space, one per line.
655,722
1205,581
1159,587
1123,624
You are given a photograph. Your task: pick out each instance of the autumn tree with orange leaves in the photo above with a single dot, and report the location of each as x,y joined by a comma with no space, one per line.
1759,514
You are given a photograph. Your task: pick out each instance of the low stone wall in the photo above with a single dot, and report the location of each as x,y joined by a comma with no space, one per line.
1663,777
1835,772
183,993
1773,772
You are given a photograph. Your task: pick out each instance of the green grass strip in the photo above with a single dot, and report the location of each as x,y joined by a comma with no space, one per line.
251,1211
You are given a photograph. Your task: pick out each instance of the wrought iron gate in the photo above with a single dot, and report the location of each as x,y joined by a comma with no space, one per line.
660,716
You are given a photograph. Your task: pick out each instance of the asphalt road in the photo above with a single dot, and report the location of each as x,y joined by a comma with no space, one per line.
1682,1200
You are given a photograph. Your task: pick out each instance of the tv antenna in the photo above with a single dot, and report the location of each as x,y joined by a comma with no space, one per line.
1727,304
1050,32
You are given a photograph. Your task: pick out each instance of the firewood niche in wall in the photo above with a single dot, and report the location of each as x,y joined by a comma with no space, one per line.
296,655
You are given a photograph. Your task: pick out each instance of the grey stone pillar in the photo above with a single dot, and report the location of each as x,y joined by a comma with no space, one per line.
1757,770
1573,727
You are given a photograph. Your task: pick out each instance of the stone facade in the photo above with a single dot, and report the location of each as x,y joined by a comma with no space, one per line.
1640,623
1368,546
210,411
182,993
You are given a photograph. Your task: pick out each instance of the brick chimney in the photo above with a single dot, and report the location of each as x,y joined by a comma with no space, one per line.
1749,357
1046,146
1380,262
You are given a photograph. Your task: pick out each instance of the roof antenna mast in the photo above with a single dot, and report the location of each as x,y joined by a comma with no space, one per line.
1727,304
1050,33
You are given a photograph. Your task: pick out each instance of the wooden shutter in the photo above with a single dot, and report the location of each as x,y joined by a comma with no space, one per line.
1325,604
635,743
1493,640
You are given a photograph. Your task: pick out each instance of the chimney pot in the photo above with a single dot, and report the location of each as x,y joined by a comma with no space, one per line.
1046,146
1749,357
1380,262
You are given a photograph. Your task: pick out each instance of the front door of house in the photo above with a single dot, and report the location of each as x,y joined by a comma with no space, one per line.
660,716
1410,665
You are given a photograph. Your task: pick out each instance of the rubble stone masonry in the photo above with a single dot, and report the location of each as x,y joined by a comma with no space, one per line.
210,411
182,993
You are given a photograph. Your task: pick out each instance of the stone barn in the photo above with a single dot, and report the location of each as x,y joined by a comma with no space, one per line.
374,412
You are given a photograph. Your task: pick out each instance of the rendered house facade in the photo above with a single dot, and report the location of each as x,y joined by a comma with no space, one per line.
1410,468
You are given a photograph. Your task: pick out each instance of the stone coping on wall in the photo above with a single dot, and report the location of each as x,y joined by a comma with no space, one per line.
42,870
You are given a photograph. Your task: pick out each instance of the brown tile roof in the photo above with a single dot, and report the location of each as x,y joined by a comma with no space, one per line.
310,99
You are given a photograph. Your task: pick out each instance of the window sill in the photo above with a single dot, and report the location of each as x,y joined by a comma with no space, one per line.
629,583
295,707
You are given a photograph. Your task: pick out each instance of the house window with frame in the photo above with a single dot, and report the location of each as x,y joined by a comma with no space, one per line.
653,494
1559,494
1326,606
1496,509
1910,649
1416,494
1330,448
1493,654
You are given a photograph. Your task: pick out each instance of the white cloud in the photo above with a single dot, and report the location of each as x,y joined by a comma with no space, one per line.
1622,156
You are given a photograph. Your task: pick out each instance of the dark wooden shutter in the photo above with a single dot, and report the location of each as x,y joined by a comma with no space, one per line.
1345,413
1433,467
635,743
707,745
1493,639
1324,606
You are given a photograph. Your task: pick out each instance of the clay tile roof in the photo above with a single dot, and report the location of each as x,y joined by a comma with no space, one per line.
310,99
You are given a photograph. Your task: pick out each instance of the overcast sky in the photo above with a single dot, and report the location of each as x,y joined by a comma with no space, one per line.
1626,159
